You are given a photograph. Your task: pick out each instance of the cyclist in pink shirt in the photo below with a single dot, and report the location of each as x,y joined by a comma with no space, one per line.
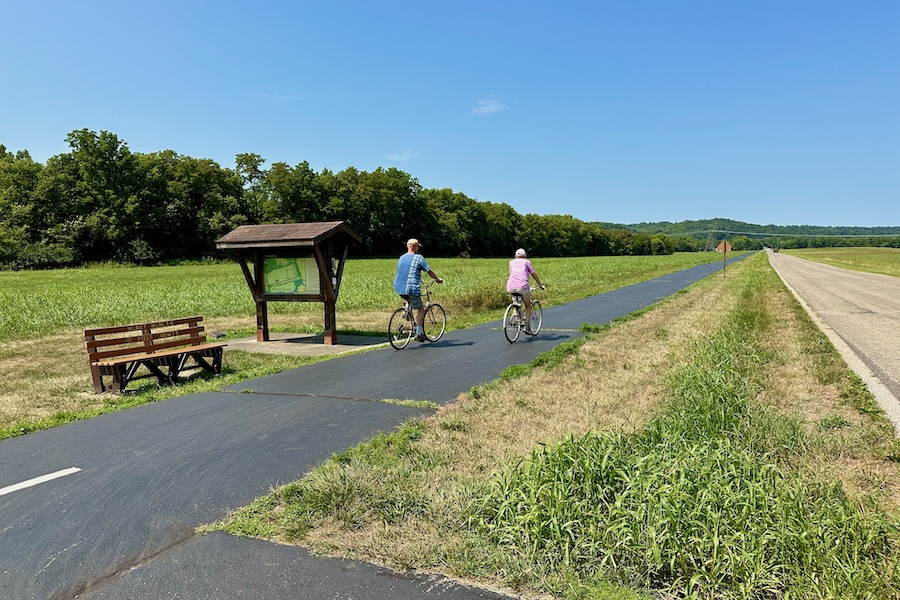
519,270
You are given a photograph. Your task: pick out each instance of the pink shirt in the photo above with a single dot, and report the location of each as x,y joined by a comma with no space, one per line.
519,270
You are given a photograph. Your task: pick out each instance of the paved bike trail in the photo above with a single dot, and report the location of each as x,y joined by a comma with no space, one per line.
121,526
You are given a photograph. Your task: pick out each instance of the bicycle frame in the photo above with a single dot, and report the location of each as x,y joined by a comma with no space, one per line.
403,323
515,321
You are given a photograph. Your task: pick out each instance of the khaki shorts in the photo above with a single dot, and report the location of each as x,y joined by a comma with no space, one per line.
526,294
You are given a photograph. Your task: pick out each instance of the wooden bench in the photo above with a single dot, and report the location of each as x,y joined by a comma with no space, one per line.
163,348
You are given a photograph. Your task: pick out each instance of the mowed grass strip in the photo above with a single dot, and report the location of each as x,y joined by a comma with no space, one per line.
43,314
712,447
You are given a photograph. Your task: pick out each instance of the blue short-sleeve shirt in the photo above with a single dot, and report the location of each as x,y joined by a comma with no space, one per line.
408,280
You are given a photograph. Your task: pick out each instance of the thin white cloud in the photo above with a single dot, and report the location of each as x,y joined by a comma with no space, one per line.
402,156
281,97
488,106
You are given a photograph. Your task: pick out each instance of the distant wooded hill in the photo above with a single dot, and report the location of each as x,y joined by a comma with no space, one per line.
705,234
702,229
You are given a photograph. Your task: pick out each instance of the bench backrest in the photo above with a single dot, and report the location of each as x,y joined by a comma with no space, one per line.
143,338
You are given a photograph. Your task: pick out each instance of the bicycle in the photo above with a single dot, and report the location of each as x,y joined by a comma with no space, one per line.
514,318
402,324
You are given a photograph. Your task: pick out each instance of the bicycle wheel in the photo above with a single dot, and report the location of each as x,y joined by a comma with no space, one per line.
511,322
400,329
537,317
435,322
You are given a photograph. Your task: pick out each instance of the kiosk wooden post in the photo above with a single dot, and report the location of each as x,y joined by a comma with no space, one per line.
293,262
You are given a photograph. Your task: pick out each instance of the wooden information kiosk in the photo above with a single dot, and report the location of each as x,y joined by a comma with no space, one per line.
293,262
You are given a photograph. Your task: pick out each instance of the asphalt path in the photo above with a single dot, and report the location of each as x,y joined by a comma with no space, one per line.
860,314
118,518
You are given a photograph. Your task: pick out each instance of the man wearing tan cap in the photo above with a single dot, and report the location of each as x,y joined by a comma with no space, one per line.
408,282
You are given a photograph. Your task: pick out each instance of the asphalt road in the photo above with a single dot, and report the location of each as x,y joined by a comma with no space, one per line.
860,313
130,487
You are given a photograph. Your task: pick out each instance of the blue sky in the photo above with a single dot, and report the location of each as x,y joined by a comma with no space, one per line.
782,113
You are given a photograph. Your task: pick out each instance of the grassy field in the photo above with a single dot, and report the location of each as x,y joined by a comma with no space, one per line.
696,450
46,378
44,302
870,260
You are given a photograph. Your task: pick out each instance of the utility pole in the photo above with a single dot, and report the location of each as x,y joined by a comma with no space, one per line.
711,237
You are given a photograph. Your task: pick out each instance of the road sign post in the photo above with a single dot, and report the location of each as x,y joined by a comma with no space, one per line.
724,247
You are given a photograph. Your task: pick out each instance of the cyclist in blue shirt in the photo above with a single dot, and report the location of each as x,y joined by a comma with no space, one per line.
408,282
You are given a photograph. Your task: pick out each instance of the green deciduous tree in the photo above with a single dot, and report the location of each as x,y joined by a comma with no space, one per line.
295,195
80,197
19,236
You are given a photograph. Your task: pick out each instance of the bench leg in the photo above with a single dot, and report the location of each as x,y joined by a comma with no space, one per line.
97,379
181,363
214,367
161,376
166,369
120,377
201,362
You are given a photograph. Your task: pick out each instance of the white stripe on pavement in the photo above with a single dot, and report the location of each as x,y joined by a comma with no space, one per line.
38,480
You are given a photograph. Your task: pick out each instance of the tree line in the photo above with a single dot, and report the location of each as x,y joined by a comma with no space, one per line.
100,202
747,236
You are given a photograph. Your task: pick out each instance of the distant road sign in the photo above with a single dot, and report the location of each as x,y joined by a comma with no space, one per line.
724,246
